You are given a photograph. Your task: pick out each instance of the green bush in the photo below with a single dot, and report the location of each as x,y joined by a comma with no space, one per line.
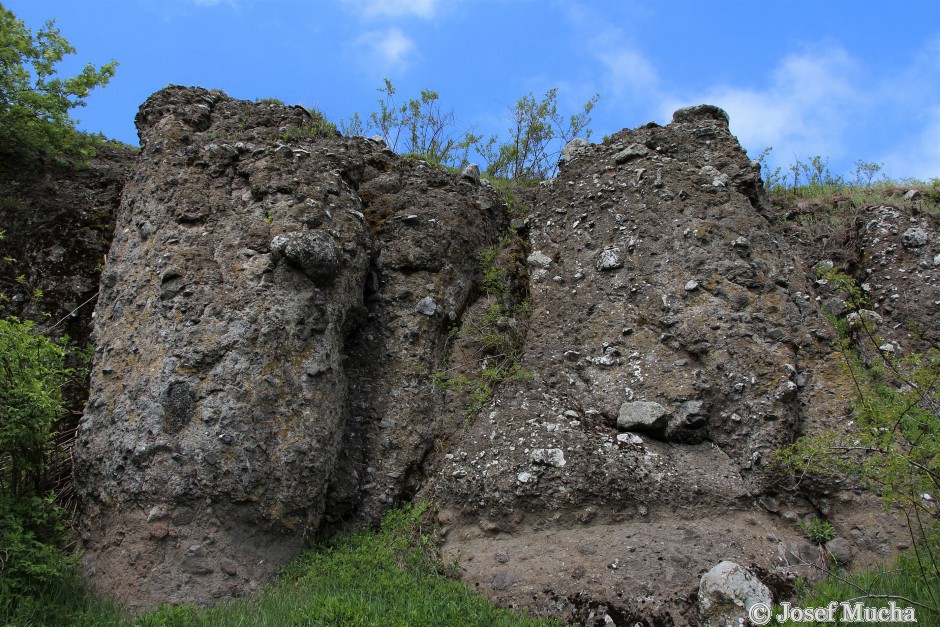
32,531
34,102
32,526
419,127
892,444
536,136
33,369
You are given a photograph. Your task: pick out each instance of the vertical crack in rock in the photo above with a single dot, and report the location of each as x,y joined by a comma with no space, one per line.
430,227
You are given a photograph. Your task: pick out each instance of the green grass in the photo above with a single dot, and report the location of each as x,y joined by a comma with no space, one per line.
904,578
846,195
389,577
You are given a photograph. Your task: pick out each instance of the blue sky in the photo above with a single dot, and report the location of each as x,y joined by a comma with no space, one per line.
855,80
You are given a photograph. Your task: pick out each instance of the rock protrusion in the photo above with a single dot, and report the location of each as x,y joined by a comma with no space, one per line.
727,593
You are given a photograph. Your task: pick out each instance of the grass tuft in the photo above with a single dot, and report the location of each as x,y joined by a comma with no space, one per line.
391,577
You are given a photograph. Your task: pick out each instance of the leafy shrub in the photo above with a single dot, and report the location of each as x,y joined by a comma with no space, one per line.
420,127
32,530
34,102
892,445
30,404
536,136
31,525
818,531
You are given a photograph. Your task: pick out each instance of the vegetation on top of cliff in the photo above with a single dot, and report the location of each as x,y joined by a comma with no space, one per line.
813,180
35,103
420,127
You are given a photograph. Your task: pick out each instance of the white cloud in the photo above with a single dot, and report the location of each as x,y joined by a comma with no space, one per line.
395,8
631,68
808,106
628,74
912,96
388,49
919,156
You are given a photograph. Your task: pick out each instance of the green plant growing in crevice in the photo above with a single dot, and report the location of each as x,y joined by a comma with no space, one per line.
496,332
317,126
817,530
507,189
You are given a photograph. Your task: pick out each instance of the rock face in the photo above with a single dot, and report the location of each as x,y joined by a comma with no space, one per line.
58,223
259,343
297,331
672,345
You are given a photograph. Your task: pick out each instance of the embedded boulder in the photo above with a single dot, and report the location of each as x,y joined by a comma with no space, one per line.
642,416
727,593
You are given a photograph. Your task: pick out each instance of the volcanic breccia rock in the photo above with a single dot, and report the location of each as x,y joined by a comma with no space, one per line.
260,333
278,305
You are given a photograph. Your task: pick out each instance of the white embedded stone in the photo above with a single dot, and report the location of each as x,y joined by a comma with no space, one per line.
727,592
549,456
609,259
538,259
427,306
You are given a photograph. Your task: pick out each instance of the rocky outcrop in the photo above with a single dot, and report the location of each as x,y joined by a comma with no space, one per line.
58,222
891,253
297,331
673,345
261,331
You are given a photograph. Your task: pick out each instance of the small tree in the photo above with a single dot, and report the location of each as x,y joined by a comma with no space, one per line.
417,127
892,445
420,127
34,102
32,526
866,170
536,137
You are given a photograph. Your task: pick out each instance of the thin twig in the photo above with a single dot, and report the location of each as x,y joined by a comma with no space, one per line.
70,314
